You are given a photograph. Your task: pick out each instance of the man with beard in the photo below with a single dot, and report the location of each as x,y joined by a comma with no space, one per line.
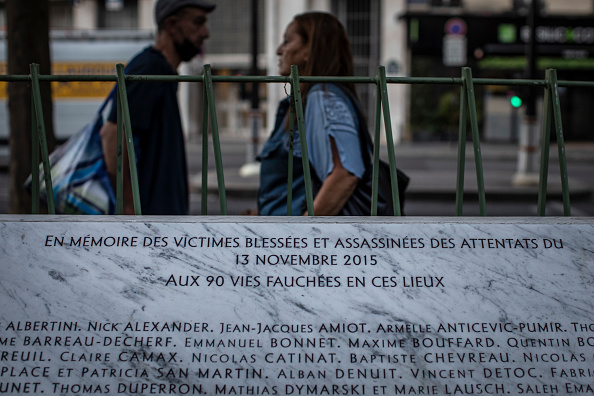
154,111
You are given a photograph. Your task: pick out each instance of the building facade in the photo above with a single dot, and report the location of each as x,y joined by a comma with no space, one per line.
408,37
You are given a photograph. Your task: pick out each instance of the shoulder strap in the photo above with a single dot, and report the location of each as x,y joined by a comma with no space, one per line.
108,99
112,94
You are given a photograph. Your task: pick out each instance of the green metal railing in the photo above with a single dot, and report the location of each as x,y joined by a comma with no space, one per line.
552,110
123,121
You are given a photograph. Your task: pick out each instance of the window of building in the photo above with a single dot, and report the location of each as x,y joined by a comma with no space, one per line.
118,15
362,22
2,16
60,14
230,27
446,3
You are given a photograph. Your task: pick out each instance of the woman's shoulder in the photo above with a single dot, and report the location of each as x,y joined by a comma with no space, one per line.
328,90
326,94
330,102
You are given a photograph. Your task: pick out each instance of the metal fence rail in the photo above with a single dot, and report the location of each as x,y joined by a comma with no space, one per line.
551,111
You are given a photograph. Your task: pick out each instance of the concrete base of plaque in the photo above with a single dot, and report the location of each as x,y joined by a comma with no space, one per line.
236,306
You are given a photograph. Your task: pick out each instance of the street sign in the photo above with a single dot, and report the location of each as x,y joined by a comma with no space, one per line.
454,50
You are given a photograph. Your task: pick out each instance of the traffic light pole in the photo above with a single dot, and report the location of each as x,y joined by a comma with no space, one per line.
251,167
528,158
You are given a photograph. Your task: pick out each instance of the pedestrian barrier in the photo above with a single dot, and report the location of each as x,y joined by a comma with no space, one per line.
468,114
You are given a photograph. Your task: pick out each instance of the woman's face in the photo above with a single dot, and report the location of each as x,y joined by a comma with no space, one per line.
292,51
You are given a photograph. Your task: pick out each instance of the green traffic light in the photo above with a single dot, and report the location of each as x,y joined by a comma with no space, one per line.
515,101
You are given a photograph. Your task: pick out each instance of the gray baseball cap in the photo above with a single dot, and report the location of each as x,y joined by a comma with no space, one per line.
165,8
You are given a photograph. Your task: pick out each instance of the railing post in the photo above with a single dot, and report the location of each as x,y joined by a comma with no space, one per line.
204,191
296,89
291,152
39,129
544,147
389,141
34,161
127,125
467,77
560,141
215,139
119,158
461,149
376,148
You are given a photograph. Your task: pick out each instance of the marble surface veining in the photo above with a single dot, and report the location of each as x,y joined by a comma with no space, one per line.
296,307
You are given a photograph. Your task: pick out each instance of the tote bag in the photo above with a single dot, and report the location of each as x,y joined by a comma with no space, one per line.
80,181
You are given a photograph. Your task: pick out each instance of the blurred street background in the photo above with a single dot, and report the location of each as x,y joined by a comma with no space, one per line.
432,169
504,39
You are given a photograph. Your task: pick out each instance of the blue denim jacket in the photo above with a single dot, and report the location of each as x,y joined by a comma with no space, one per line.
328,113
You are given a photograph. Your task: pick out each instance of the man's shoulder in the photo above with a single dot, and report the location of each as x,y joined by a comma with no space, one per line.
149,61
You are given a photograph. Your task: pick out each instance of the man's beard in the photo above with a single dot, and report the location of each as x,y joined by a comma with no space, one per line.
186,50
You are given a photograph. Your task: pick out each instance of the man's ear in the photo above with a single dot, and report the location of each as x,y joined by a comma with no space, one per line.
170,23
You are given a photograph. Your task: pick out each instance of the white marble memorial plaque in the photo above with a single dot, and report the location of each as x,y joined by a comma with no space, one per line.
241,306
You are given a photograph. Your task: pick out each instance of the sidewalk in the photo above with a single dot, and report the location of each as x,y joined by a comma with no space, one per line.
430,165
432,169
